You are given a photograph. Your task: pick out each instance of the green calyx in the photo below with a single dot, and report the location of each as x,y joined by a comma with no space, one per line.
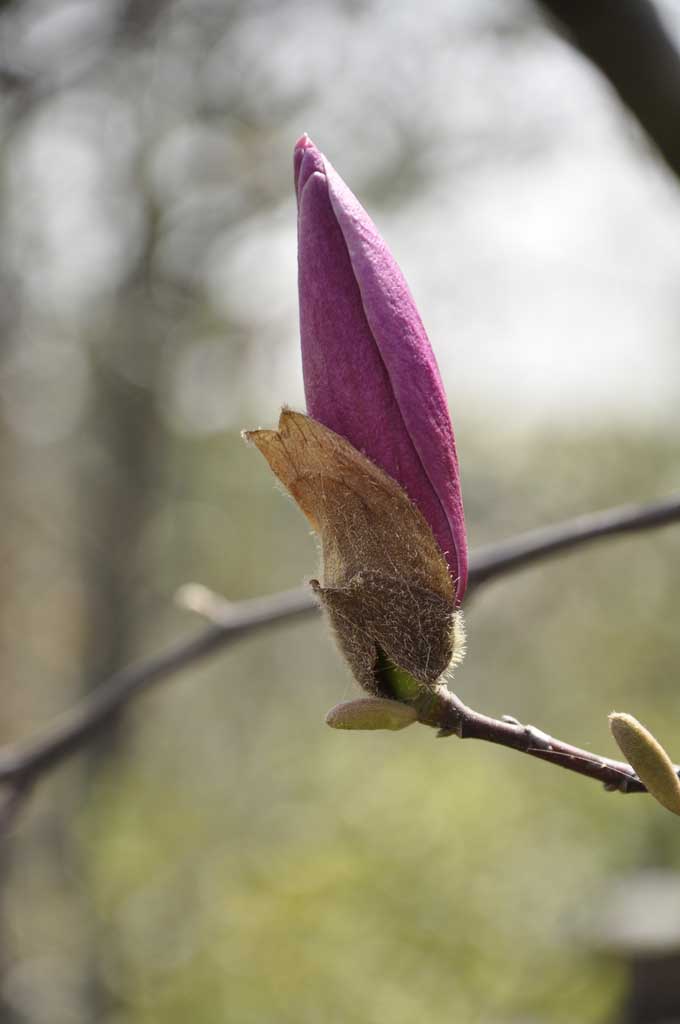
395,682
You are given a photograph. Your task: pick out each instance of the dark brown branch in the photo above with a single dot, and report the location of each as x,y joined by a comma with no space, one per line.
629,44
23,764
445,711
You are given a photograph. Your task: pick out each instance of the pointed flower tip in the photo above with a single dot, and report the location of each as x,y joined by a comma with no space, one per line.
307,160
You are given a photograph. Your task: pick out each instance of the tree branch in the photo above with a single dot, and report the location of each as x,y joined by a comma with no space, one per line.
77,727
24,763
517,552
627,41
441,709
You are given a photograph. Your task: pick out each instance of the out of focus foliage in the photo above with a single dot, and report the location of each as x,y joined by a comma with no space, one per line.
221,855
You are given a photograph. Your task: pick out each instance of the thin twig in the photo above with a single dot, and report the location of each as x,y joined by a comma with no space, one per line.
75,728
518,552
28,761
441,709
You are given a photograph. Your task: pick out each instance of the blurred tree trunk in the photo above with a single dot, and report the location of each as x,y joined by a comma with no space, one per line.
9,316
123,453
7,540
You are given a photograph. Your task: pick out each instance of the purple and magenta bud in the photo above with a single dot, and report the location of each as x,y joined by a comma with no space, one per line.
369,371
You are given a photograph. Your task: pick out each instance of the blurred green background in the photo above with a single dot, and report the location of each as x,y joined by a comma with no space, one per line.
219,854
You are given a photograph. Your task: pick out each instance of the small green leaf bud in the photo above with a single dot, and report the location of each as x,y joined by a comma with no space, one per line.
371,713
649,759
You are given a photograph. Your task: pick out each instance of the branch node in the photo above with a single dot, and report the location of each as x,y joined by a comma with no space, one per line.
539,740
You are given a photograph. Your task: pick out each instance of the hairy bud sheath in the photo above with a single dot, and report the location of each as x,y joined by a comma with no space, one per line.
386,585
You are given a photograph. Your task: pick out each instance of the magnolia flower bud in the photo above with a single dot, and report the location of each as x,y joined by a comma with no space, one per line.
369,371
374,469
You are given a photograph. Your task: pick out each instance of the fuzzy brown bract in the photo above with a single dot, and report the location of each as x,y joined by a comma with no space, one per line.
386,585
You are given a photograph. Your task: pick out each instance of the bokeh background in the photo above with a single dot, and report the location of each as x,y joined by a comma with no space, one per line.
219,854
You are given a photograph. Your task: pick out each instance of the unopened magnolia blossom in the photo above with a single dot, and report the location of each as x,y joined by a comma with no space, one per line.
373,466
369,370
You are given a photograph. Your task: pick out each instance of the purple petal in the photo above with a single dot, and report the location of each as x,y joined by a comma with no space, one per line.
369,371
